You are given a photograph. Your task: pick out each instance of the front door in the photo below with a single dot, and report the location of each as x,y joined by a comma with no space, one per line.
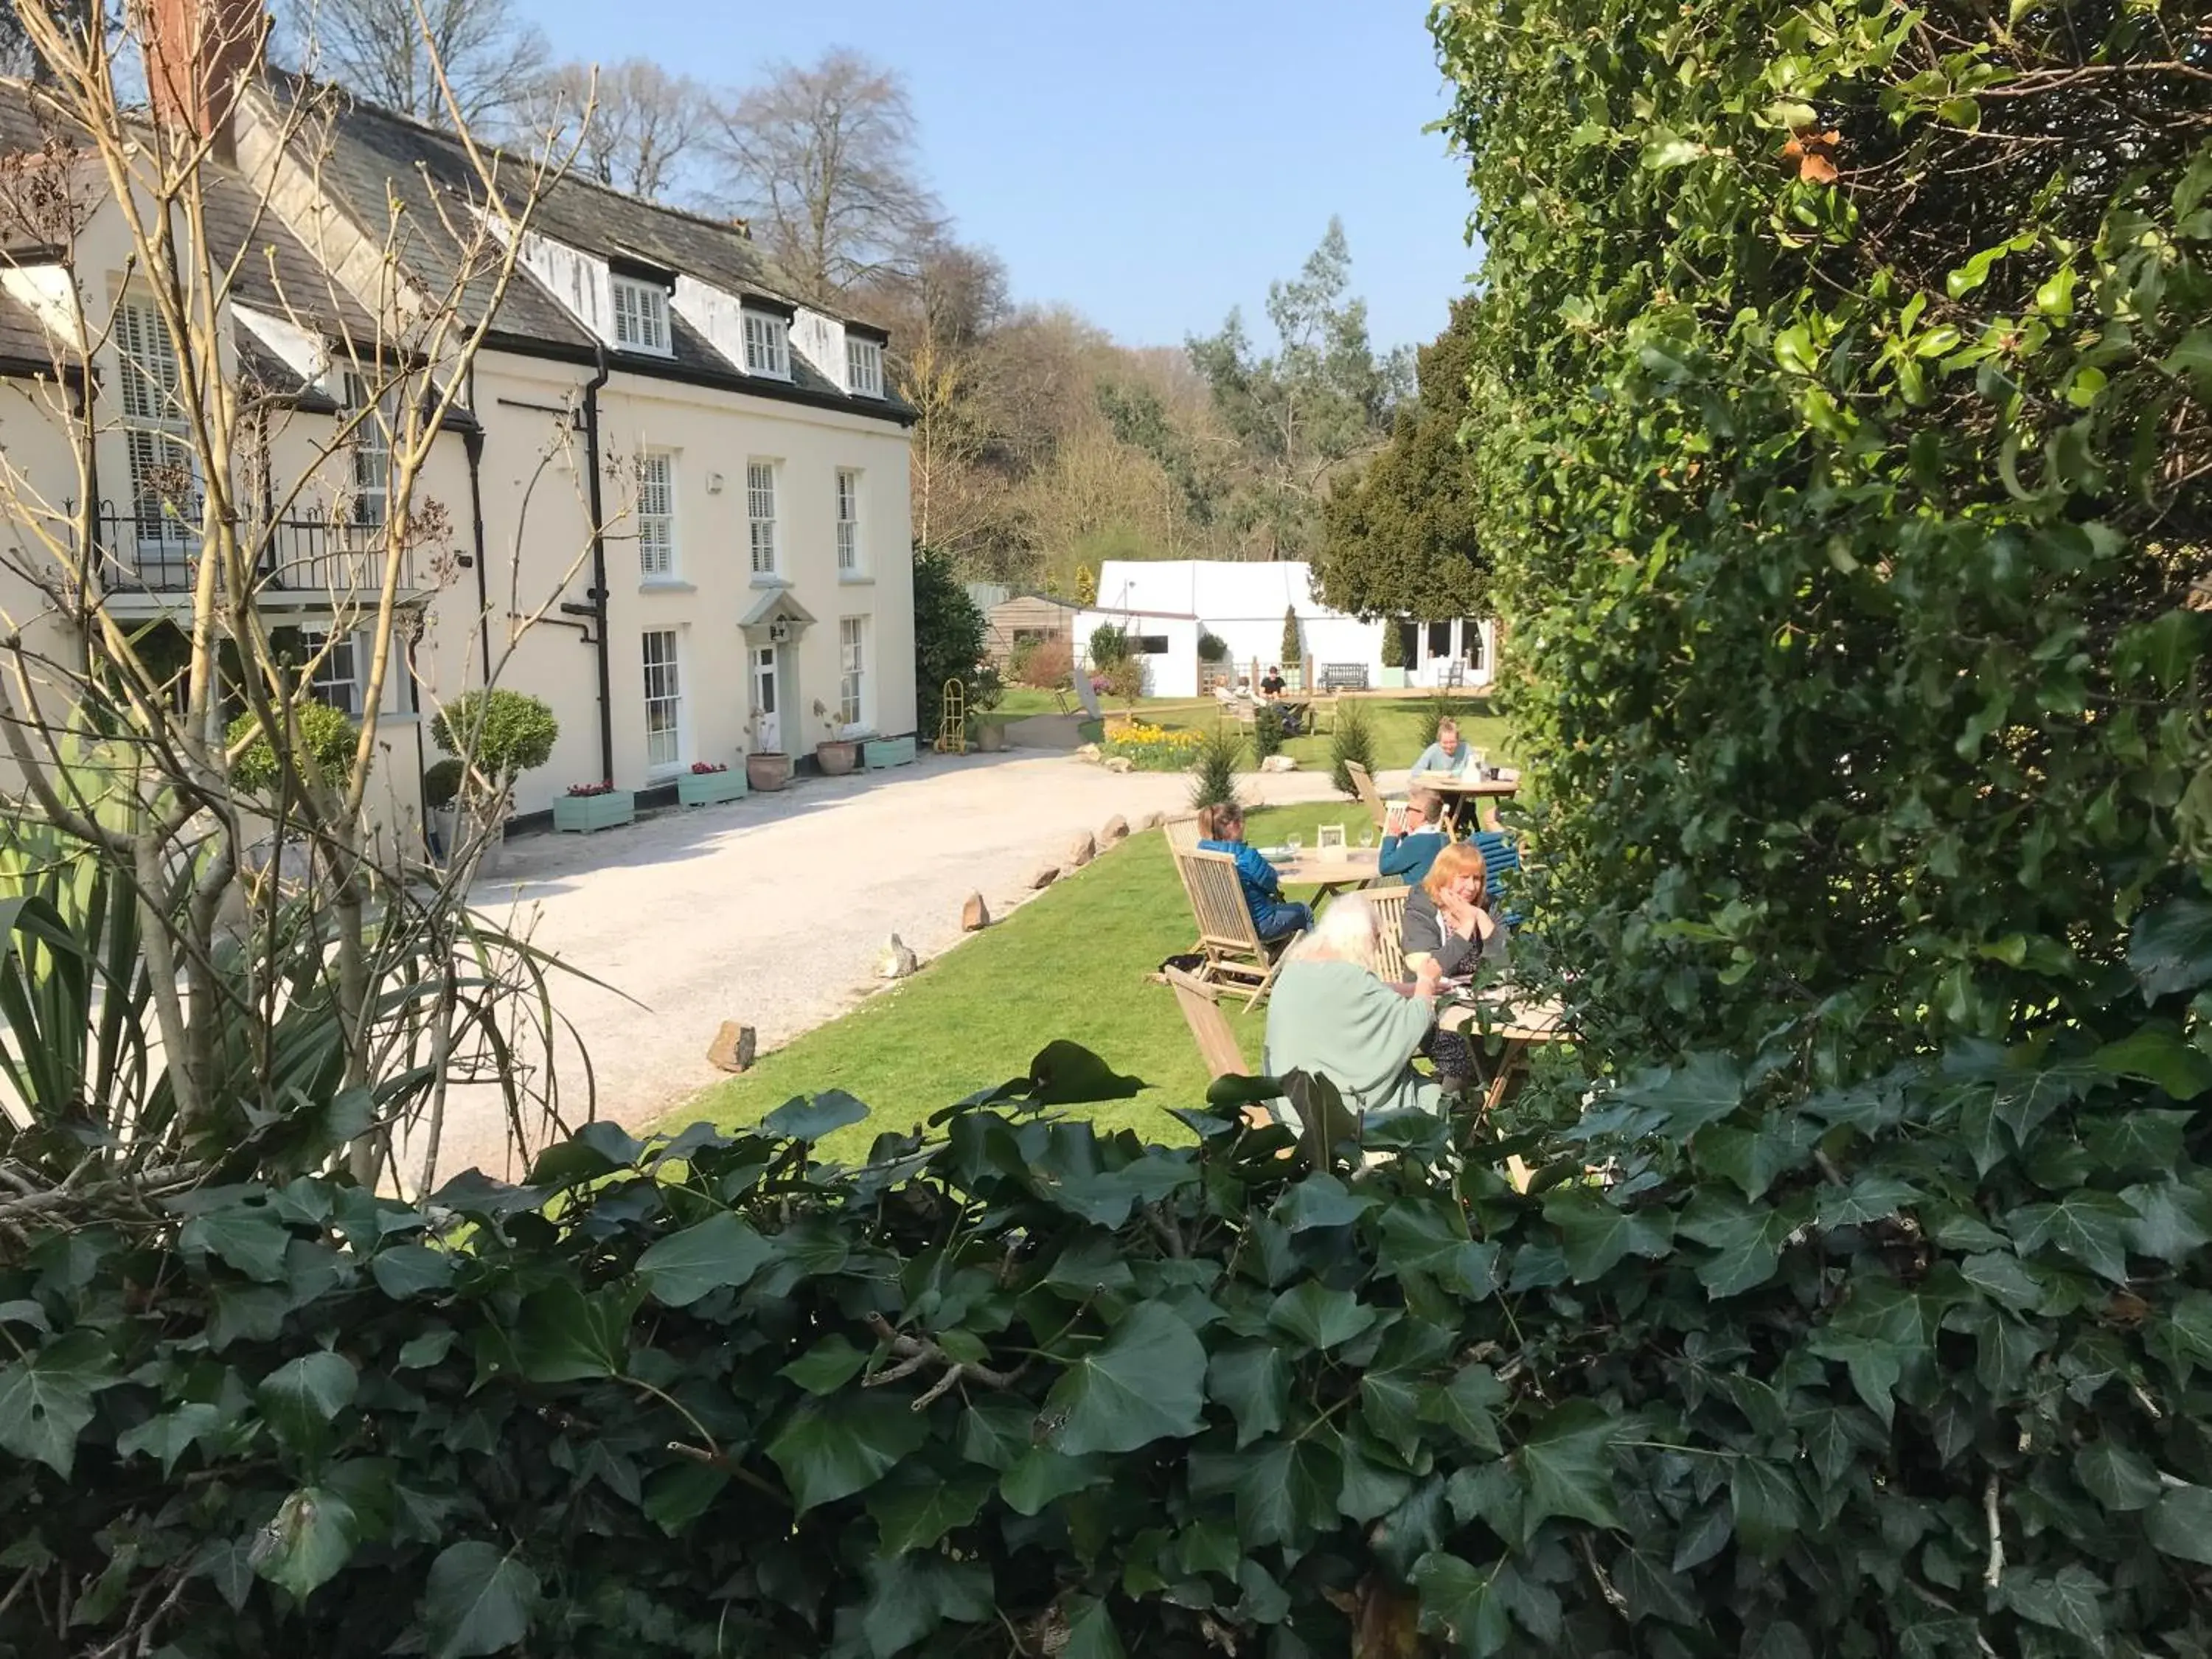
768,730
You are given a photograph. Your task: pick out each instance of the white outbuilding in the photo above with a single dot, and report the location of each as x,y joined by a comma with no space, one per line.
1167,606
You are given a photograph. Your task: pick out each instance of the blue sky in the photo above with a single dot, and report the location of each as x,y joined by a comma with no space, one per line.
1151,162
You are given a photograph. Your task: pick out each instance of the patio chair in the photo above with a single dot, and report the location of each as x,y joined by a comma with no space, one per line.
1243,710
1501,861
1389,907
1364,781
1227,936
1320,716
1202,1011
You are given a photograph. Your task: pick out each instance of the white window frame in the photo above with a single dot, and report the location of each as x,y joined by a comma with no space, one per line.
155,431
337,670
656,515
663,697
852,672
849,522
864,367
372,458
768,345
761,534
640,316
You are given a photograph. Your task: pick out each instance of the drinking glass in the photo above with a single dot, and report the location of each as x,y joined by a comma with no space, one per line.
1294,843
1367,838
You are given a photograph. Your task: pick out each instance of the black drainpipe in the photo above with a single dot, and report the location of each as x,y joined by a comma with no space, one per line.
472,447
598,593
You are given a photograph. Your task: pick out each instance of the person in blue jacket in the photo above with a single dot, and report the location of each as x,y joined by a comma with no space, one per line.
1410,854
1222,828
1447,754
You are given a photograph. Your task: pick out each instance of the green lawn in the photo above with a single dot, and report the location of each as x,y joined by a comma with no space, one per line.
1069,965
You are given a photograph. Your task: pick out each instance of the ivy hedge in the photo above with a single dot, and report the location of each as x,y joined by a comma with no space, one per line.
1922,1366
1838,400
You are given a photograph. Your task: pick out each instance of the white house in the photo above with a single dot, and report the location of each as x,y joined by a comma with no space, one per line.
698,482
1165,606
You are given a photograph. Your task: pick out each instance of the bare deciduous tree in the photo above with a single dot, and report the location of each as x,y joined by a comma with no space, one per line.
645,124
823,160
395,53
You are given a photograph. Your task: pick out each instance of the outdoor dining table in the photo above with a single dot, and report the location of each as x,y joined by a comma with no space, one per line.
1522,1022
1461,790
1330,870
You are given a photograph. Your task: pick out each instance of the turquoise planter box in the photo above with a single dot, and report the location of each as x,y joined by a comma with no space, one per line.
710,788
1394,679
880,752
585,813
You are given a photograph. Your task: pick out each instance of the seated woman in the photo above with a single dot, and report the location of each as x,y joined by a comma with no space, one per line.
1447,920
1330,1016
1410,852
1446,927
1221,829
1447,755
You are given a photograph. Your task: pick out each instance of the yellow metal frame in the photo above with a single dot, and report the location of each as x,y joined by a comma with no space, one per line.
953,729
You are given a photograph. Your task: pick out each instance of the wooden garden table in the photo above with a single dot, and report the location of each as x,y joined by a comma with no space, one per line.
1523,1022
1330,870
1462,789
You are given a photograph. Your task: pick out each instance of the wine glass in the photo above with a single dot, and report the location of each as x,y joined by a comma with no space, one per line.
1367,838
1294,843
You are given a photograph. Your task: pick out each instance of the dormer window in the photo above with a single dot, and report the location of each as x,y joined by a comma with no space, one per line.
640,316
864,368
768,345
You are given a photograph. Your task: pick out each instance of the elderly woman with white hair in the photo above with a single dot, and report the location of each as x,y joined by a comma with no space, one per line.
1330,1015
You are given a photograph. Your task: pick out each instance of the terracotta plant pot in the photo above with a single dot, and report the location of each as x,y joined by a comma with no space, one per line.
770,770
837,756
990,737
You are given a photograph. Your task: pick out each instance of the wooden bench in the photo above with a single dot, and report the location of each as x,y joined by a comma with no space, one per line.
1344,676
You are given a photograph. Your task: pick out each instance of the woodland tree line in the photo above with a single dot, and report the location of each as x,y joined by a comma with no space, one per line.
1043,447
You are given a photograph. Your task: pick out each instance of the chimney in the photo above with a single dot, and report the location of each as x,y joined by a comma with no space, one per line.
197,52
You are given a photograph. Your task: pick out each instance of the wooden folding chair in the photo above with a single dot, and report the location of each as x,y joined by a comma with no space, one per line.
1227,936
1389,904
1201,1011
1369,794
1320,716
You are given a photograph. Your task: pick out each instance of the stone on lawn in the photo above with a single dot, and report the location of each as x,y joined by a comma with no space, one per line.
1081,851
733,1047
1152,820
1044,876
1279,764
1116,829
1089,751
898,960
1119,763
975,915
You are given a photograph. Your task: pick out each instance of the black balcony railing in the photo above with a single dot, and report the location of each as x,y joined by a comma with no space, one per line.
159,553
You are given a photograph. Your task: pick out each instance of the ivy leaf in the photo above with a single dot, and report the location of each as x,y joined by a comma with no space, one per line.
1767,1507
1320,1317
1460,1601
250,1239
1146,1381
408,1270
1597,1235
298,1399
675,1498
1253,1381
810,1120
2181,1524
1872,1197
826,1366
1999,1276
477,1600
1288,1492
171,1434
1703,1090
562,1335
2158,1054
1467,1405
1321,1201
917,1506
2089,1226
1091,1632
2170,948
832,1448
1568,1466
2122,1480
2172,1221
1747,1240
2139,1141
45,1399
719,1252
1040,1478
310,1537
2072,1600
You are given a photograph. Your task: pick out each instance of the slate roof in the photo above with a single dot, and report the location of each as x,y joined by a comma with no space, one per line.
371,155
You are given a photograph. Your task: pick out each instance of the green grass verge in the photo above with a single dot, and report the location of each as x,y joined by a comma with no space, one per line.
1069,965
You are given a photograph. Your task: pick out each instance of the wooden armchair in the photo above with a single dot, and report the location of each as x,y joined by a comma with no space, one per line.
1227,936
1389,904
1370,796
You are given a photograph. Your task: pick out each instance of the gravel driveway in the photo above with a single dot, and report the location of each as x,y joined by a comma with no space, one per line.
774,910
